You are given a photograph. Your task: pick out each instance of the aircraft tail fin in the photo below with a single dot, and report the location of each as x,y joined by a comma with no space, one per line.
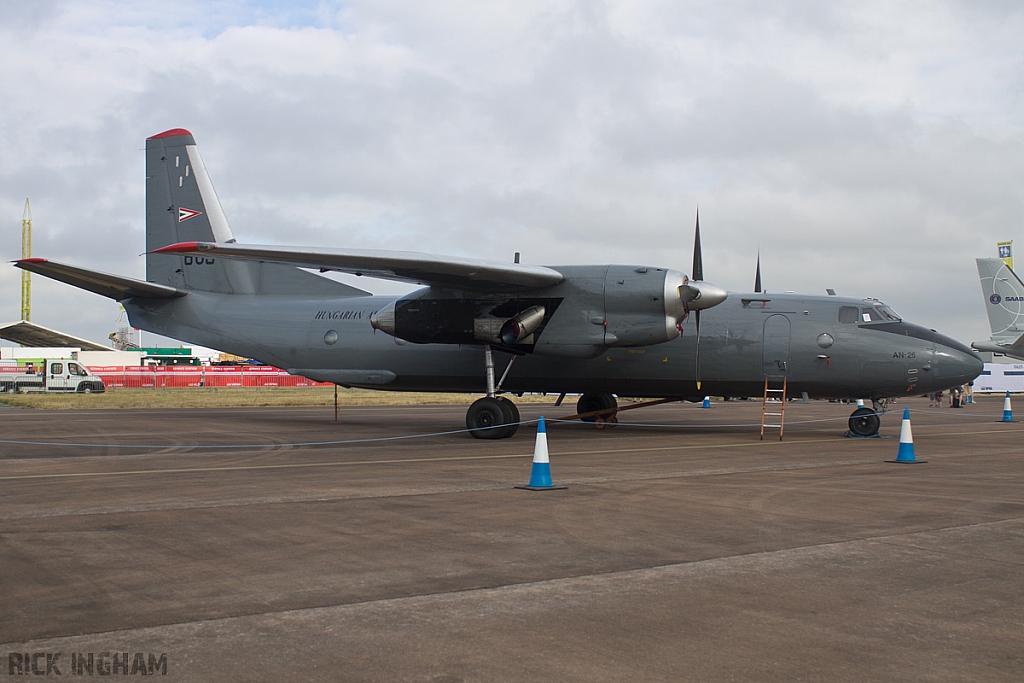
182,206
1004,299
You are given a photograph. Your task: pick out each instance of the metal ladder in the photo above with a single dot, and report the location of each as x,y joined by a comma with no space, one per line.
779,394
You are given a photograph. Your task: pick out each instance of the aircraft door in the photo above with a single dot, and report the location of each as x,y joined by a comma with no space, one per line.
775,346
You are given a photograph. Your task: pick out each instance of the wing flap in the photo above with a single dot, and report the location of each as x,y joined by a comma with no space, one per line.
404,266
112,286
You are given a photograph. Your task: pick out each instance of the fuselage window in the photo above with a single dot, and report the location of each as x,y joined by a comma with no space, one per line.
847,315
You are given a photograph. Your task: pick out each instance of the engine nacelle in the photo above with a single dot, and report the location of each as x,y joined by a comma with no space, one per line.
429,317
593,308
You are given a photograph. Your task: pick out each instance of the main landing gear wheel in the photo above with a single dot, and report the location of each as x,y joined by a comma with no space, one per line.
512,414
865,422
492,418
590,403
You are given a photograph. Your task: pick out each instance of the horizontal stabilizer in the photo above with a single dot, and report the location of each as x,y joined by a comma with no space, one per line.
404,266
104,284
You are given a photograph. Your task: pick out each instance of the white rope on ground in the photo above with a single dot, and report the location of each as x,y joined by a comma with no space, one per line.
552,422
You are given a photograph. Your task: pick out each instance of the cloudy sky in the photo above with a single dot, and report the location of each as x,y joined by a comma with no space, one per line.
873,147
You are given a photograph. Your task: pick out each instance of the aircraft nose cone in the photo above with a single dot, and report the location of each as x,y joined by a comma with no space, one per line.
956,364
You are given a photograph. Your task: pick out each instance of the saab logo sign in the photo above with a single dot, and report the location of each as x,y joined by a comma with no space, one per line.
184,214
995,299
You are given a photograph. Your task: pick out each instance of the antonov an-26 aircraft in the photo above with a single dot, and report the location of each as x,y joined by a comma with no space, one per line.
600,330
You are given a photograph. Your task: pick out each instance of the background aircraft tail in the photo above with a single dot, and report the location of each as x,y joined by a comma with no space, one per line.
182,206
1004,298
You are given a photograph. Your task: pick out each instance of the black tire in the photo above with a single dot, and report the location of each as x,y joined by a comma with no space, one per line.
589,403
865,422
85,389
488,418
512,415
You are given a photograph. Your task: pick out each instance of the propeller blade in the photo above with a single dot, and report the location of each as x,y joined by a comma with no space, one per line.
693,300
697,273
696,358
757,276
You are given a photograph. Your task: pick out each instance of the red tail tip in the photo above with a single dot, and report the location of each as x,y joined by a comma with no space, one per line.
172,133
183,248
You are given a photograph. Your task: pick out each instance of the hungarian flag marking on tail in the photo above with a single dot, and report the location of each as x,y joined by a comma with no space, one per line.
184,214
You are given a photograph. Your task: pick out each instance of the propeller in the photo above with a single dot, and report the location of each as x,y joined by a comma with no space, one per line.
697,294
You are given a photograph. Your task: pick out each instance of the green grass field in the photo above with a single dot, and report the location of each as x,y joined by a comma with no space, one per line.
238,397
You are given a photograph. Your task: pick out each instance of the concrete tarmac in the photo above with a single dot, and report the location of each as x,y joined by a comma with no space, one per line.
273,544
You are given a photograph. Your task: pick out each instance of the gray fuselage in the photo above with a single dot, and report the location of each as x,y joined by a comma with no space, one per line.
742,341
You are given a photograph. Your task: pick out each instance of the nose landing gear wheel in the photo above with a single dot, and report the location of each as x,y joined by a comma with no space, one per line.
590,403
864,422
492,418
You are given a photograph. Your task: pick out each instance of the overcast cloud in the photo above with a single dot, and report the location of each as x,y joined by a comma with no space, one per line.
872,147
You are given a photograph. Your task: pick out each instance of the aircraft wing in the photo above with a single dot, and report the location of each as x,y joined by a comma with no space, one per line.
404,266
112,286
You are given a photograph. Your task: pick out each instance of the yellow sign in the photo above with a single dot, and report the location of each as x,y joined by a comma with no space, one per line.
1006,252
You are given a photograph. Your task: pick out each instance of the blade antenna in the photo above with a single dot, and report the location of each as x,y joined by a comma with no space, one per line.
757,275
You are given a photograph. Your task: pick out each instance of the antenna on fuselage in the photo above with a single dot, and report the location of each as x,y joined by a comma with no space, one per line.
757,274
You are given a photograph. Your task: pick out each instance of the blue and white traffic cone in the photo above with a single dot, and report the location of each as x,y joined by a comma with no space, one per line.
860,403
540,475
706,403
1007,409
905,454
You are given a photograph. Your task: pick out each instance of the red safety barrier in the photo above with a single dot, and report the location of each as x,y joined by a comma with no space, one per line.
184,376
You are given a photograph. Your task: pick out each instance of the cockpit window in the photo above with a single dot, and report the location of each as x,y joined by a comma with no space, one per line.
888,314
869,315
847,315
